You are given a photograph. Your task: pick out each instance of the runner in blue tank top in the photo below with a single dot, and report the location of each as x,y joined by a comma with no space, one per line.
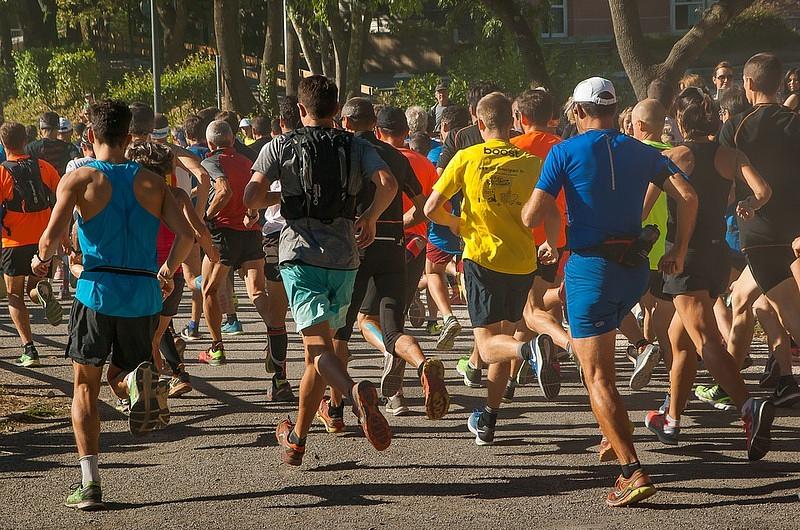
605,176
119,207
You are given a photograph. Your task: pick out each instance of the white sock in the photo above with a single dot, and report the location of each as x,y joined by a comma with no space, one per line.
90,472
671,424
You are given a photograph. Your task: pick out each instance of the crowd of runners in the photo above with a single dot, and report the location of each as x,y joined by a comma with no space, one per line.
551,231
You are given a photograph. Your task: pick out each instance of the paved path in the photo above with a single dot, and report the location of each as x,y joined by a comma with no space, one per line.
217,466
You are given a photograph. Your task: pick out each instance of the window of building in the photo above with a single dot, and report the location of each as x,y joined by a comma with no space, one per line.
686,13
556,24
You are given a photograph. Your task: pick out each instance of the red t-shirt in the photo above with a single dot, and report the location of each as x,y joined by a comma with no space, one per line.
539,144
229,164
427,176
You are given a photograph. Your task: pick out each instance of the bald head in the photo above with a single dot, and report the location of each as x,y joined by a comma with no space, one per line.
648,119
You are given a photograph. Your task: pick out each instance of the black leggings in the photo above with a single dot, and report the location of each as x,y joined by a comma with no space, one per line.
385,264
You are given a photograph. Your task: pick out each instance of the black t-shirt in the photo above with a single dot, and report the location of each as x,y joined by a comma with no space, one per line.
58,153
242,149
407,183
259,144
769,135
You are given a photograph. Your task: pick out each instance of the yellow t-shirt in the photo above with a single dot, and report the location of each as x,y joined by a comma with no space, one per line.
658,216
497,179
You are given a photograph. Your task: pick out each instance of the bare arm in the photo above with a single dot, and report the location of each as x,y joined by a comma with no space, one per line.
192,164
222,196
650,198
173,216
201,232
69,189
686,199
257,194
762,192
539,207
434,209
415,215
385,191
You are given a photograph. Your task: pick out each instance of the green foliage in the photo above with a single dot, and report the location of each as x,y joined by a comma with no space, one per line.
760,26
7,85
30,71
73,74
191,84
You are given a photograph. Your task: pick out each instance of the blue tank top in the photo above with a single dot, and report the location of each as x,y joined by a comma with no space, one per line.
122,236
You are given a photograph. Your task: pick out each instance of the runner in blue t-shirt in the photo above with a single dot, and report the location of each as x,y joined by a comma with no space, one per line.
605,176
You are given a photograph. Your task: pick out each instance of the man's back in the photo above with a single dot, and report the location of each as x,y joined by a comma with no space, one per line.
20,229
427,176
605,175
56,152
235,167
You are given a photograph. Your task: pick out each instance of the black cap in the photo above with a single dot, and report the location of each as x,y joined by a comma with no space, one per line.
359,110
392,119
442,86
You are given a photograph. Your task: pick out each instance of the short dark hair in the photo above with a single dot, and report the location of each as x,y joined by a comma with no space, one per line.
456,117
231,118
593,110
319,95
80,127
160,121
31,131
289,112
48,120
261,125
208,114
663,91
766,71
14,136
142,118
477,91
420,142
275,126
111,122
155,157
789,73
192,125
536,105
733,100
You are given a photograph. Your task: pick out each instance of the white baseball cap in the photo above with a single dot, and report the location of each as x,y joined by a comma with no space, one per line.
64,125
245,123
589,90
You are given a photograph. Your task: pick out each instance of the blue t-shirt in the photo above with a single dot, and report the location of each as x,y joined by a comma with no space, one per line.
441,236
435,153
199,150
2,153
605,175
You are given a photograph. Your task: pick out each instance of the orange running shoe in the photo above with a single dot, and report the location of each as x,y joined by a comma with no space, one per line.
629,491
292,453
365,406
333,424
437,400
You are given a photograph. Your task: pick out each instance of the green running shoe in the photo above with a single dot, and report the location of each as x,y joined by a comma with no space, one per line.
715,396
472,376
29,357
87,498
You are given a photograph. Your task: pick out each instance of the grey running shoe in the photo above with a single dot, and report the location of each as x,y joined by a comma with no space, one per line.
392,377
396,405
644,365
450,330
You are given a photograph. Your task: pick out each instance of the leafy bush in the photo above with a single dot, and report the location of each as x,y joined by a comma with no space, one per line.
74,73
30,71
192,83
7,84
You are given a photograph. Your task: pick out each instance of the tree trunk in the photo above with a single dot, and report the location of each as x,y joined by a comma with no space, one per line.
359,29
31,21
172,16
308,43
6,61
229,47
292,61
525,35
268,77
49,11
326,51
638,65
341,43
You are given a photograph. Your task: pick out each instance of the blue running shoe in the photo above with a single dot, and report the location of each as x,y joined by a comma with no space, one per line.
483,435
232,328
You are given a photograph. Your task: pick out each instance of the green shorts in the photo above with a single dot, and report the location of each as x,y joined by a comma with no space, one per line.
318,295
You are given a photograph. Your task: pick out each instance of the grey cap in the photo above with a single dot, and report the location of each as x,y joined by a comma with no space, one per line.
359,110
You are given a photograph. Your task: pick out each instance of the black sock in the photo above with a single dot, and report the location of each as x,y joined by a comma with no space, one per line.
338,410
230,318
420,369
217,345
786,380
170,352
629,469
296,440
639,344
525,351
279,343
488,417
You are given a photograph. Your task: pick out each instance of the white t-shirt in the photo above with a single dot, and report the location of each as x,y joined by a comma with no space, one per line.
72,165
273,220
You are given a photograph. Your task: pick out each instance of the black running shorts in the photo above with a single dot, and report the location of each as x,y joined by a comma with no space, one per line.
16,261
705,269
237,247
493,296
270,247
94,336
770,265
173,301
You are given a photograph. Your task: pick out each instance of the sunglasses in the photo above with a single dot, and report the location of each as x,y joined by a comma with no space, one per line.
725,77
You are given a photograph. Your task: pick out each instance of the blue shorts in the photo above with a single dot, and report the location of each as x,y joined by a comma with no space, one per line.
600,293
318,295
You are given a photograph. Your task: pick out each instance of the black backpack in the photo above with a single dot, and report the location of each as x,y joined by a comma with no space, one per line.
30,192
327,175
57,153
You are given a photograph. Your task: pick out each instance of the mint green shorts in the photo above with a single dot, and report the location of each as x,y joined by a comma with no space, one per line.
318,295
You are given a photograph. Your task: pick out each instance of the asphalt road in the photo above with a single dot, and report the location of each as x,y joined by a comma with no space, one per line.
217,465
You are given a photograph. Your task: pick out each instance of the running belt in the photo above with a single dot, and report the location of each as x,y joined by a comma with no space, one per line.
122,270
